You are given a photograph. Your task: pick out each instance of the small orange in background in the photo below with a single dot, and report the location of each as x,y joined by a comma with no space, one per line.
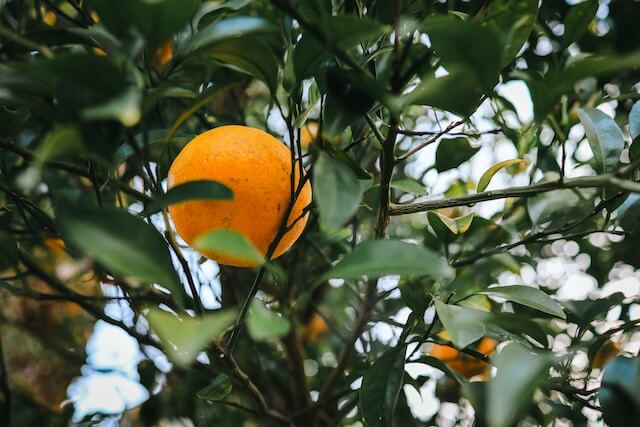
162,55
257,169
308,134
466,365
316,327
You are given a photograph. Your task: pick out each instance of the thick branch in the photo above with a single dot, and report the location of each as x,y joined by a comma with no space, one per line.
523,191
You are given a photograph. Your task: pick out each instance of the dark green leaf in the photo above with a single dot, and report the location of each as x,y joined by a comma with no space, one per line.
126,245
8,251
381,387
336,190
376,258
219,388
444,227
528,296
466,45
156,20
264,324
605,139
513,21
577,21
228,243
520,372
629,213
452,152
464,325
58,143
184,338
620,390
409,186
192,190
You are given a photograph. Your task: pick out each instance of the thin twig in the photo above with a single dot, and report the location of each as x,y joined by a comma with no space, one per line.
430,141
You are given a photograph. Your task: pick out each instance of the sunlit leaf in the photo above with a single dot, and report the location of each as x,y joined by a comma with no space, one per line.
486,177
192,190
229,243
464,325
184,338
605,139
528,296
264,324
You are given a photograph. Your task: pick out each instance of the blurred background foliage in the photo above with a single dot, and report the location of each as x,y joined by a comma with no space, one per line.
497,138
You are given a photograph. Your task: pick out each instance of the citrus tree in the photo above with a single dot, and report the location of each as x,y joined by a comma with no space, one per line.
313,212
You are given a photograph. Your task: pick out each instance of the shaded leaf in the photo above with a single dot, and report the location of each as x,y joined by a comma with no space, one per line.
58,143
229,243
629,213
620,391
337,191
452,152
513,21
634,121
376,258
464,325
528,296
381,387
184,338
577,21
486,177
125,244
605,139
444,227
409,186
219,388
264,324
520,372
192,190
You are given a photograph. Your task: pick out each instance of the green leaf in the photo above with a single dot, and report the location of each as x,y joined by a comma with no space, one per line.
634,121
376,258
464,325
250,55
184,338
555,206
228,243
605,139
528,296
629,213
125,244
577,21
546,90
219,388
444,227
452,152
464,222
409,186
486,177
156,20
264,324
458,92
157,143
520,372
381,387
224,30
58,143
620,391
439,364
466,45
192,190
337,192
126,108
341,31
513,21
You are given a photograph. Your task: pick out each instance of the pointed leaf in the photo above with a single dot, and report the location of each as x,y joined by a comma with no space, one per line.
192,190
409,186
520,372
452,152
445,228
381,387
228,243
264,324
464,222
464,325
528,296
485,179
219,388
577,21
376,258
126,245
605,139
185,338
513,21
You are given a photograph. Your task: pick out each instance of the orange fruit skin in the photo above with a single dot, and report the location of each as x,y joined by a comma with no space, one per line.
467,366
257,168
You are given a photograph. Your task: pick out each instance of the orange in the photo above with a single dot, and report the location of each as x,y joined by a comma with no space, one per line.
467,366
162,55
608,351
257,168
308,134
316,327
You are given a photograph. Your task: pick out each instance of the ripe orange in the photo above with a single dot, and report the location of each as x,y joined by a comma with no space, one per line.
162,55
467,366
316,327
257,168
